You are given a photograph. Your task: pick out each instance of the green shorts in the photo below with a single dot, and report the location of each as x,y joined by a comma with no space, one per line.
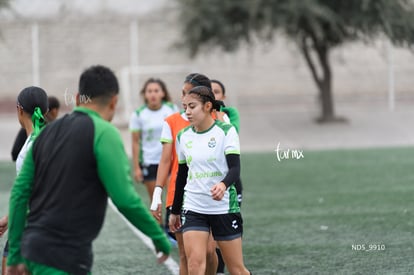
40,269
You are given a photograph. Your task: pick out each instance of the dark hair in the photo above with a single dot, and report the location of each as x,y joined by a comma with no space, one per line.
31,97
33,101
206,95
98,82
198,80
220,84
53,102
166,97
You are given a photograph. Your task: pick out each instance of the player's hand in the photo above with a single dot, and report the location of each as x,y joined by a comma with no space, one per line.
161,257
156,203
174,222
218,190
157,213
138,175
3,225
19,269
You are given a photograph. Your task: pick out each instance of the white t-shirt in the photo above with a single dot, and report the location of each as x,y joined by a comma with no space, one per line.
166,134
149,123
22,154
205,155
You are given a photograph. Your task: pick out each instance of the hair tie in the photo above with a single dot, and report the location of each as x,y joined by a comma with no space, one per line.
194,82
38,121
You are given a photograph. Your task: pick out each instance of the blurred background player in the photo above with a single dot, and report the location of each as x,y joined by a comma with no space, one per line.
169,166
21,137
219,92
233,118
54,106
146,126
32,105
233,115
208,154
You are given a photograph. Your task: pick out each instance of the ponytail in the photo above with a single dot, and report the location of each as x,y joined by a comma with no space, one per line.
38,121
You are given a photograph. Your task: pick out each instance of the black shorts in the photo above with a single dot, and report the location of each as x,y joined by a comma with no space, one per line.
149,172
6,249
225,227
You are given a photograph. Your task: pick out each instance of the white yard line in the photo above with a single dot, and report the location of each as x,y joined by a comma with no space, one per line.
169,263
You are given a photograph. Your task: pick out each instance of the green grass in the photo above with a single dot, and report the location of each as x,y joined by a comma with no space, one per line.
360,196
300,216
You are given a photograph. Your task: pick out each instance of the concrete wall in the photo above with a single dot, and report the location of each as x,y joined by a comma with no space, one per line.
262,75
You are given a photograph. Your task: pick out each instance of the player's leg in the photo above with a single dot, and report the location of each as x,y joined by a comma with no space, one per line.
3,266
195,245
4,260
178,237
196,231
181,251
211,260
227,230
150,175
150,185
233,256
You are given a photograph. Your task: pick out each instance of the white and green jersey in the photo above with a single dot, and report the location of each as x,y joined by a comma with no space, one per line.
149,123
205,155
23,152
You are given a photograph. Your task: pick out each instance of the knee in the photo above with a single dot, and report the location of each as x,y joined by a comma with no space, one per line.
195,264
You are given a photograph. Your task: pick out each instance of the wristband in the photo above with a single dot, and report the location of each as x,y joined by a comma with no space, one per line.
156,198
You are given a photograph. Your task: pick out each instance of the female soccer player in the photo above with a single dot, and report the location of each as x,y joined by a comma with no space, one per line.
146,125
169,166
21,137
32,105
209,163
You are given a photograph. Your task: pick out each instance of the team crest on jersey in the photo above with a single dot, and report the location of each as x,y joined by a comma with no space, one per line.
212,142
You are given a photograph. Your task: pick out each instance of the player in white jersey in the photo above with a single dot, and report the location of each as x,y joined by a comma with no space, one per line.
146,126
32,106
209,164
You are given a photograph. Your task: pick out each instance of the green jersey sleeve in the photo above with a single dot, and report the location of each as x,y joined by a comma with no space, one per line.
234,116
114,172
18,207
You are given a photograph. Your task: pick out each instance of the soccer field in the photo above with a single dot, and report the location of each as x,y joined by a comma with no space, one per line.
333,212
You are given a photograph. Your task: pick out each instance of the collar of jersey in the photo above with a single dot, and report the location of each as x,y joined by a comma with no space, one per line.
205,131
86,110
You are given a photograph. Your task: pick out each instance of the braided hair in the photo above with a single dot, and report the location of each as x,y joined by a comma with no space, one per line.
206,95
